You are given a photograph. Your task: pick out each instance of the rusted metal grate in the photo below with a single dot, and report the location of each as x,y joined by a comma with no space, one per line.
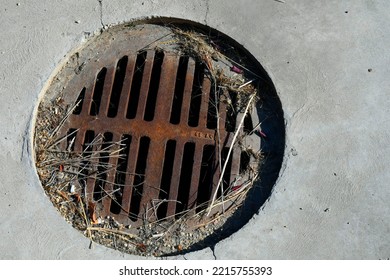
150,138
162,108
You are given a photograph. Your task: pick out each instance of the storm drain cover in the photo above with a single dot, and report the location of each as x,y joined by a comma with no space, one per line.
149,138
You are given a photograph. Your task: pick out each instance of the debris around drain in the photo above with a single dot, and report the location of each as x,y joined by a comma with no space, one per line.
87,177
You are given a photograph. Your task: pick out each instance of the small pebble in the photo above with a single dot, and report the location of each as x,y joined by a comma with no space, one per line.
294,152
77,21
17,4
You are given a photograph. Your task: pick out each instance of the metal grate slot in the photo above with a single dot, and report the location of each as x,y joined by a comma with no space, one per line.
117,87
102,169
79,102
154,86
185,177
179,90
206,177
166,179
139,178
136,85
214,107
85,164
98,92
120,176
196,95
248,125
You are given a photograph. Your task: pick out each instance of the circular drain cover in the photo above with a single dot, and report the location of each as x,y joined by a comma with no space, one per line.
149,138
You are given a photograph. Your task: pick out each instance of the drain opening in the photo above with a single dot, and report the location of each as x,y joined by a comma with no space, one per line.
161,137
98,92
79,102
136,85
117,87
154,86
206,177
139,178
101,176
85,165
179,90
120,176
196,95
166,179
185,177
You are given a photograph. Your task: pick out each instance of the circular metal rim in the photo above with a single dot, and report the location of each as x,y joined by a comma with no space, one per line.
76,57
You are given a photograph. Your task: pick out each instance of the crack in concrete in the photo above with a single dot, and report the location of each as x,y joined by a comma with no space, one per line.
101,12
207,11
212,248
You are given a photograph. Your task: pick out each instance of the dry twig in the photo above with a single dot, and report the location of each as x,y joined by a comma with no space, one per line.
230,151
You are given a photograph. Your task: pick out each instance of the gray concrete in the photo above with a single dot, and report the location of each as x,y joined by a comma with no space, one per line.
332,198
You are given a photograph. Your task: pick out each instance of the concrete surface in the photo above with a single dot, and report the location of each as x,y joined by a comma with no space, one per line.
331,200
